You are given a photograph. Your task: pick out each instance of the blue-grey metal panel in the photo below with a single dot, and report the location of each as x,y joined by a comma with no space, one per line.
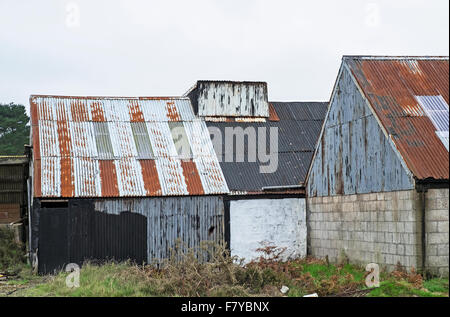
354,156
189,219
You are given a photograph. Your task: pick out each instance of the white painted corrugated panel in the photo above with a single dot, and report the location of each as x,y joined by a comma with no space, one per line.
154,110
129,177
87,177
49,138
122,139
211,175
82,139
171,177
161,139
51,176
235,99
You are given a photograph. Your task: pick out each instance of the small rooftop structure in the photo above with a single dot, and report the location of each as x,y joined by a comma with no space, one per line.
229,99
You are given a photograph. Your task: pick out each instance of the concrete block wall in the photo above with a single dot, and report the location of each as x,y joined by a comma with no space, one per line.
383,228
437,231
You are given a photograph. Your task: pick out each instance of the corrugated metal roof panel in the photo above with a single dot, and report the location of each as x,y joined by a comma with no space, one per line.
391,84
298,127
71,130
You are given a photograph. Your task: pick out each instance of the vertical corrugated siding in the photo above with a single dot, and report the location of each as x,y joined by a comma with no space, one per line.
354,156
79,233
235,99
12,186
189,219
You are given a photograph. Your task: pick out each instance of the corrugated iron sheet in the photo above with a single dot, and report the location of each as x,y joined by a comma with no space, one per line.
354,156
298,125
85,147
391,84
190,220
230,99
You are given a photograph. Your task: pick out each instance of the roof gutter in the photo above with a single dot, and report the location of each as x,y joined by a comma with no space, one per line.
274,188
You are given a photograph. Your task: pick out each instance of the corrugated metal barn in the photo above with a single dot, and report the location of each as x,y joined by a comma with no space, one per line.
13,188
378,186
265,149
121,178
13,195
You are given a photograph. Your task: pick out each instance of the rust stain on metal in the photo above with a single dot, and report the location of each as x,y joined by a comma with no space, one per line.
79,110
37,178
391,85
135,111
192,178
273,116
98,115
36,144
63,138
67,179
172,112
150,175
33,111
108,176
67,182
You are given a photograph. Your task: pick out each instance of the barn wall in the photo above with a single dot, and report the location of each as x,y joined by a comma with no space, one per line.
354,156
12,188
437,231
383,228
268,222
189,219
143,230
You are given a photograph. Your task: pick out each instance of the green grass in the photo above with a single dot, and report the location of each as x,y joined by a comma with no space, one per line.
12,255
125,280
110,280
224,278
437,285
393,288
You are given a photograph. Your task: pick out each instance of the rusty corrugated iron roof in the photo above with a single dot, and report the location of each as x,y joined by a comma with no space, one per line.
88,147
391,85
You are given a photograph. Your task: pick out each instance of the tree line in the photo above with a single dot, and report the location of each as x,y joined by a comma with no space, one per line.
14,129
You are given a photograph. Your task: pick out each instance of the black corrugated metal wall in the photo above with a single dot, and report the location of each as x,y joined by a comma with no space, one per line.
78,233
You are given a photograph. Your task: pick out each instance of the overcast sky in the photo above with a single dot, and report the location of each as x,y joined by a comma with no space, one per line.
160,48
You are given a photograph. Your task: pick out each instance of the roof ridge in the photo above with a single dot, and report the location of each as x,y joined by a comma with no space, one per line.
111,97
396,57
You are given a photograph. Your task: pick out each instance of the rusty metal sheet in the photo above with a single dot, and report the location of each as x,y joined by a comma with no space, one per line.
70,135
390,84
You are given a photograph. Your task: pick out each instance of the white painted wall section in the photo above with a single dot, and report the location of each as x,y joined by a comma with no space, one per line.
275,222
